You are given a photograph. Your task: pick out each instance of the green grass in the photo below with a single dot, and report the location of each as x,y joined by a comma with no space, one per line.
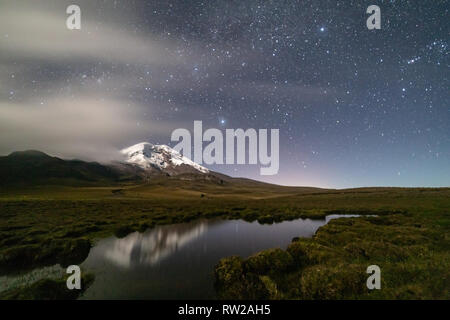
409,239
411,248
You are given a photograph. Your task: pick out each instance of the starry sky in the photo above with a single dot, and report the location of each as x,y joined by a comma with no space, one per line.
355,107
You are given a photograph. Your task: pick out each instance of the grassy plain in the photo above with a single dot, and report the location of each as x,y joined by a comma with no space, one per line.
409,238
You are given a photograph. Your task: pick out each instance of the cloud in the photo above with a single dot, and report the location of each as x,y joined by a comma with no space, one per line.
38,32
89,128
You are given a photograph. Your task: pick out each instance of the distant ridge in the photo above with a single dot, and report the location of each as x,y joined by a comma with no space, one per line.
36,167
144,162
28,153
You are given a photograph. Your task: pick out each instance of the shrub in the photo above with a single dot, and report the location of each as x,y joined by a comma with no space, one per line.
269,261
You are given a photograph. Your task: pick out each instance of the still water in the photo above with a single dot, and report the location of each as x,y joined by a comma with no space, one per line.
177,261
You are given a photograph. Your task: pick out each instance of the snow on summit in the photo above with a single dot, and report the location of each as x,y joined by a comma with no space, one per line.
162,157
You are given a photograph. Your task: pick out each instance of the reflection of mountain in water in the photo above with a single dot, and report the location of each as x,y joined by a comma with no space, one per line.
151,247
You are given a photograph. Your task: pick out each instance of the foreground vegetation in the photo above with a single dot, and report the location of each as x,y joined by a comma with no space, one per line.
48,289
413,255
408,239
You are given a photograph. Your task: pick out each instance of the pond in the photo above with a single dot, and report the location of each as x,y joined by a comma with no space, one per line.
177,261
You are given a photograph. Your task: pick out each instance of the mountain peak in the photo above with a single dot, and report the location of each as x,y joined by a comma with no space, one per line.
29,153
162,157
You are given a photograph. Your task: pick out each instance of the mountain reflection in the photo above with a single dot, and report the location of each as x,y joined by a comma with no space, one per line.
154,245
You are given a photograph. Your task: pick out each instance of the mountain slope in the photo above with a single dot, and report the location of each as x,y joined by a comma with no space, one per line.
35,167
147,168
144,163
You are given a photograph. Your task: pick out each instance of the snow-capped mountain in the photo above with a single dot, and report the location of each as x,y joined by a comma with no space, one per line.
163,158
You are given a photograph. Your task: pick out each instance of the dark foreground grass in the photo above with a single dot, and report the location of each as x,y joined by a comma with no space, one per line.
48,289
412,250
409,238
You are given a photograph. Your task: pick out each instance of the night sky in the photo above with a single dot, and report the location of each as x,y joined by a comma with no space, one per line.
355,107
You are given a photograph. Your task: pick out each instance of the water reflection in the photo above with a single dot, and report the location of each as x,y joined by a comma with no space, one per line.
152,246
177,261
